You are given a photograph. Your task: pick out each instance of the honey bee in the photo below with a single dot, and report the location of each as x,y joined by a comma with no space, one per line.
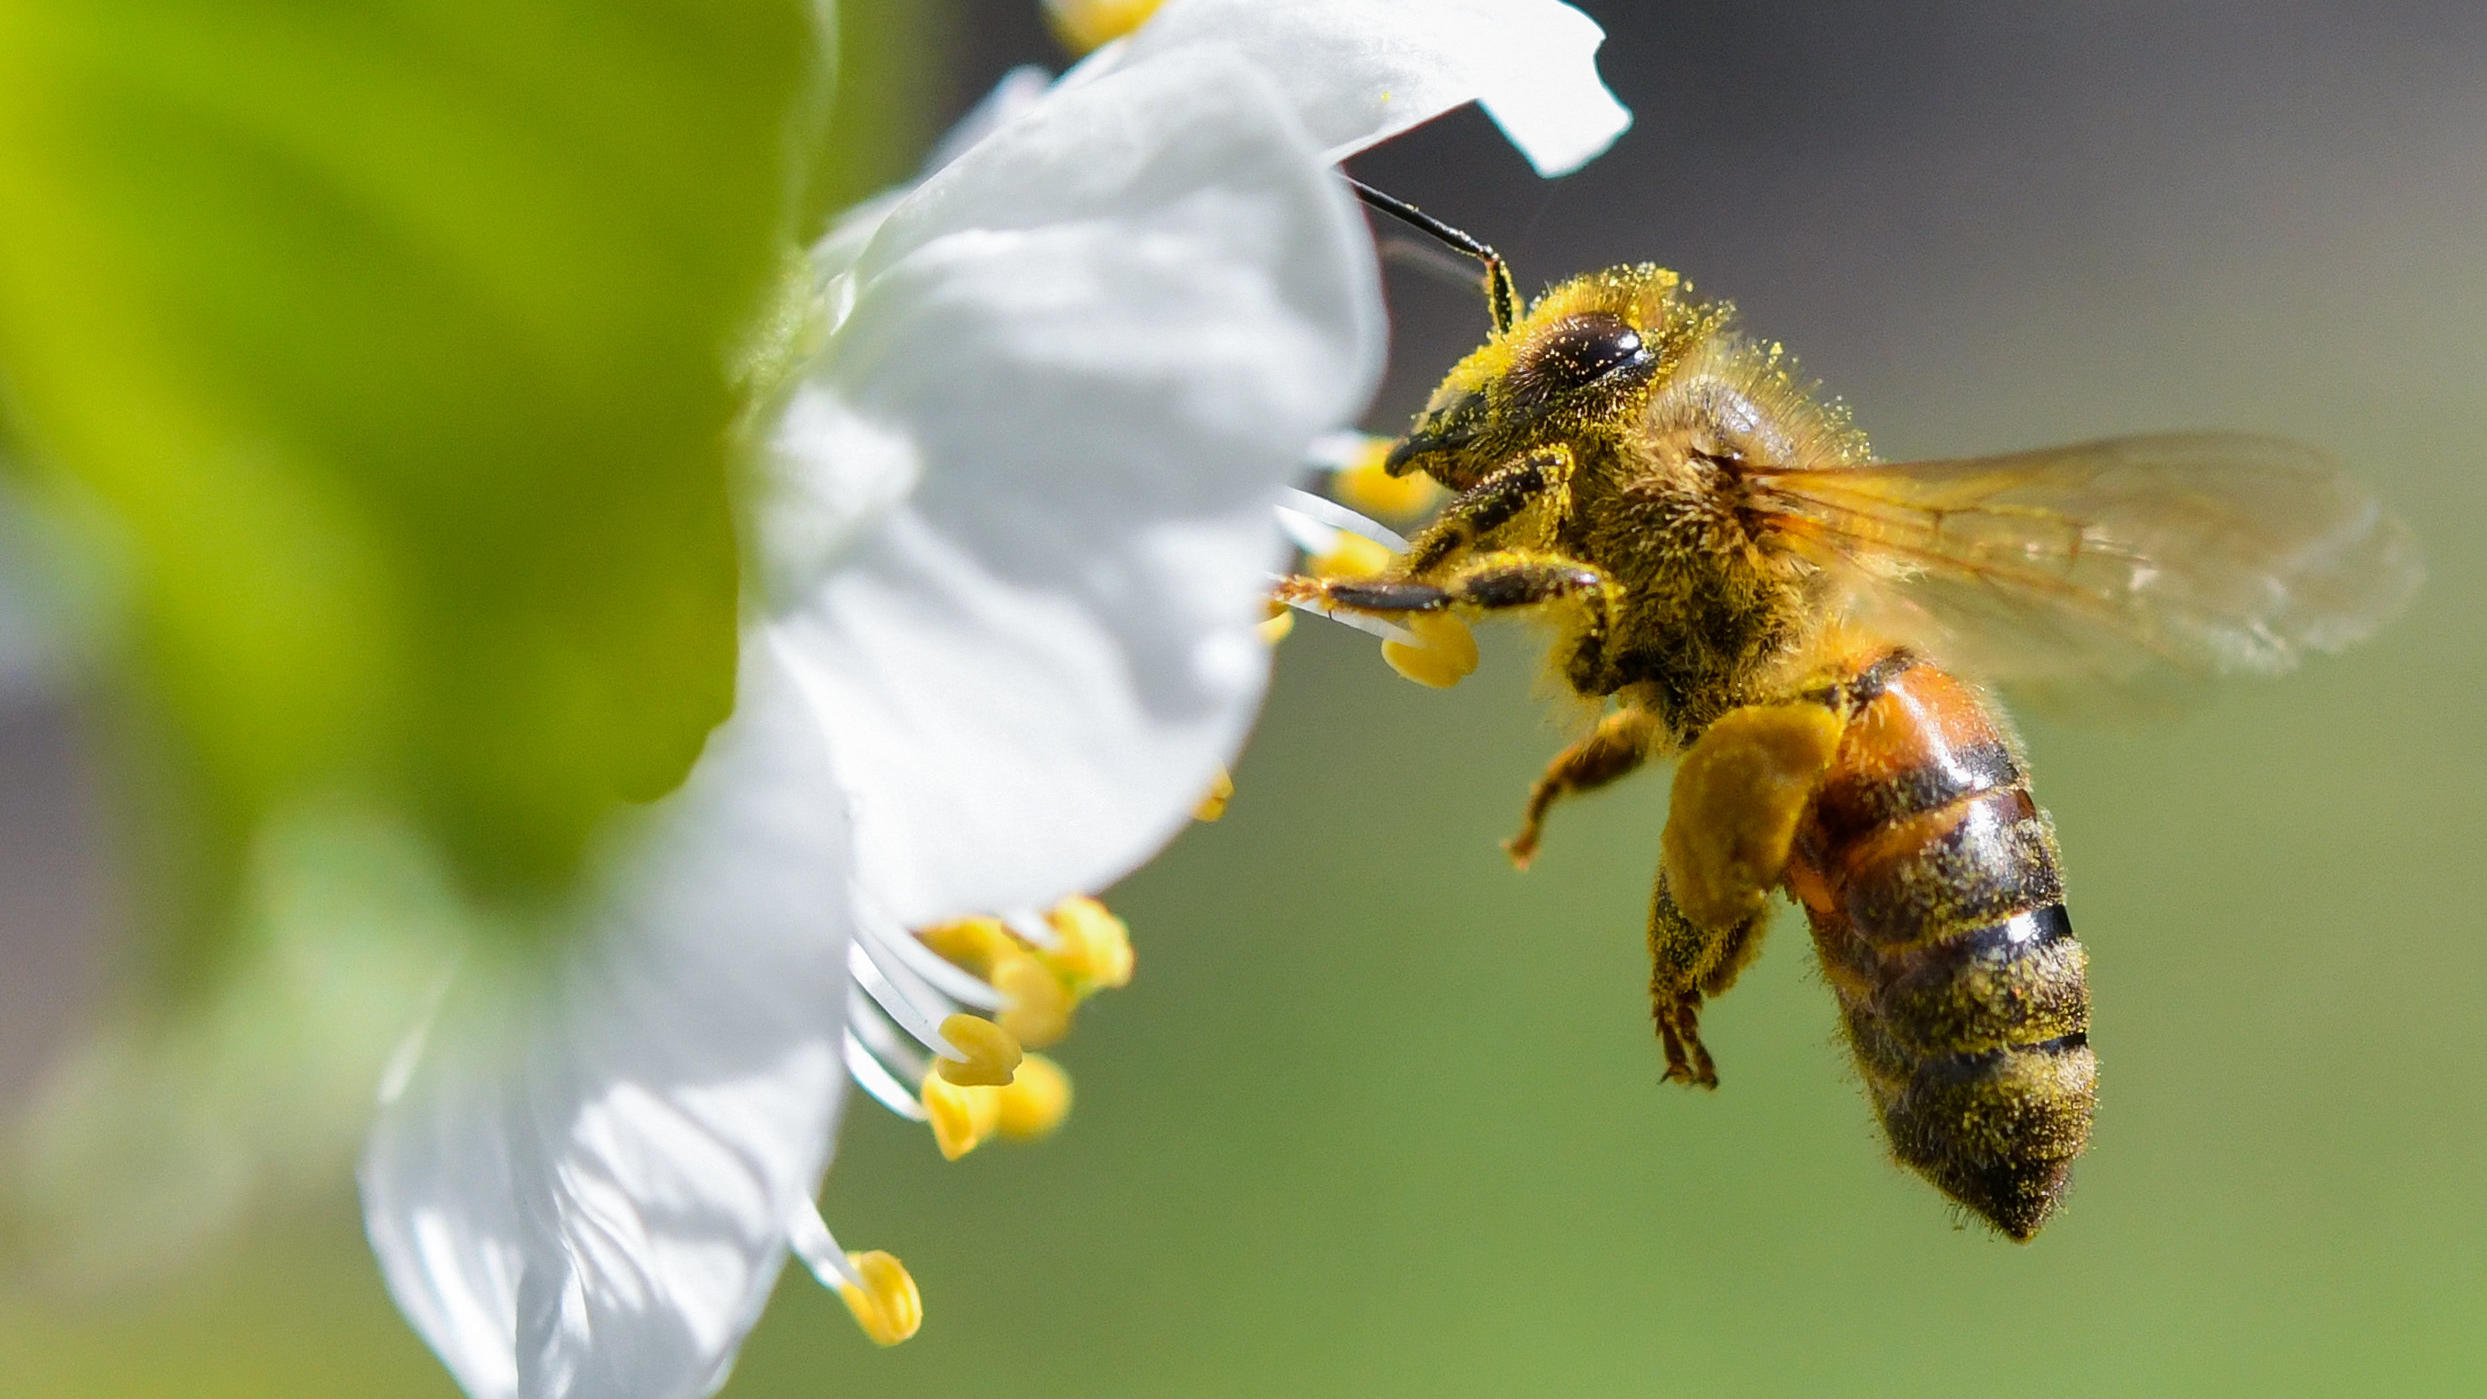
1732,574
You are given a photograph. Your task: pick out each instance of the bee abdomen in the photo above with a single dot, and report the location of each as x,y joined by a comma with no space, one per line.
1932,882
1970,864
1976,1052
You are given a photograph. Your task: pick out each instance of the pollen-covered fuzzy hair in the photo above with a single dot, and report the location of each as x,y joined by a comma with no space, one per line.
1651,299
1577,367
1753,395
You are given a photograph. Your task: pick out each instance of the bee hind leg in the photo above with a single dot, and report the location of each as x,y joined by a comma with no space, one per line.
1738,796
1689,961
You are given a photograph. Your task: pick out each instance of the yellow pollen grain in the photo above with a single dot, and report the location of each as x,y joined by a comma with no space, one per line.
1354,556
1443,654
988,1053
1213,805
1036,1101
961,1118
1037,1007
1083,25
970,943
1096,945
1274,628
1365,484
887,1306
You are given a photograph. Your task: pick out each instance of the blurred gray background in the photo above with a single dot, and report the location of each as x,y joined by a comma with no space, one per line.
1381,1117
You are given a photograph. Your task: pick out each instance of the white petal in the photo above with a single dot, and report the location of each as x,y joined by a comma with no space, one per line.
1360,71
1019,89
1107,332
581,1190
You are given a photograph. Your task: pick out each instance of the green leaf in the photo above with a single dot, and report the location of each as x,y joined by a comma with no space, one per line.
390,337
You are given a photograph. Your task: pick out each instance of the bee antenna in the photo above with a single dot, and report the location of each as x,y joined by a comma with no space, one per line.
1502,295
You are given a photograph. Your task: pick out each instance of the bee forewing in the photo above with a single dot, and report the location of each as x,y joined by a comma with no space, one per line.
2109,571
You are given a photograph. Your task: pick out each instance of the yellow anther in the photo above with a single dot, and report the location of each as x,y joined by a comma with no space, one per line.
1442,655
1095,945
989,1052
972,943
1353,556
1036,1101
1363,484
1274,627
1083,25
1213,805
1037,1009
961,1118
887,1306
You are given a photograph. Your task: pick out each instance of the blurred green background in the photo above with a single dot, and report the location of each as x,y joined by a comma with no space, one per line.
1381,1117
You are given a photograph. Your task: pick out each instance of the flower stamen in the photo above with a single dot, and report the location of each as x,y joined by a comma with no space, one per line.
1222,790
1353,556
949,975
906,1011
972,945
885,1302
1038,1012
1360,477
1440,652
1086,25
962,1116
1095,947
875,1286
874,1077
1031,928
978,993
1035,1102
988,1054
1299,509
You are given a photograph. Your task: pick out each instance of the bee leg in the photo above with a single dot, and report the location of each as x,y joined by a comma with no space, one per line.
1486,507
1583,598
1688,961
1507,580
1622,742
1512,579
1739,794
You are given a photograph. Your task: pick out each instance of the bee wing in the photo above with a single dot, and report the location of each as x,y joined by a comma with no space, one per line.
2110,572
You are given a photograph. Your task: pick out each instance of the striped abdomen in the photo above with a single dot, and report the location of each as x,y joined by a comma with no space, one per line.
1930,877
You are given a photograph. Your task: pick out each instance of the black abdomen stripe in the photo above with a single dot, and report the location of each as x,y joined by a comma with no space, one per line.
1853,804
1993,859
2014,984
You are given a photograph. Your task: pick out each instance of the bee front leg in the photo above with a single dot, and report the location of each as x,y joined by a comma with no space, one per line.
1739,794
1505,581
1487,506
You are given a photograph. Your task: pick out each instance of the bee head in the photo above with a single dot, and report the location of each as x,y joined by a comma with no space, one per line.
1580,362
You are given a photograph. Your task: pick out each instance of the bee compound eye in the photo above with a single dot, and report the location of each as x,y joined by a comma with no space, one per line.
1588,347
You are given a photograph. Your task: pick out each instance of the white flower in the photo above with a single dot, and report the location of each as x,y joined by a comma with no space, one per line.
1010,543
